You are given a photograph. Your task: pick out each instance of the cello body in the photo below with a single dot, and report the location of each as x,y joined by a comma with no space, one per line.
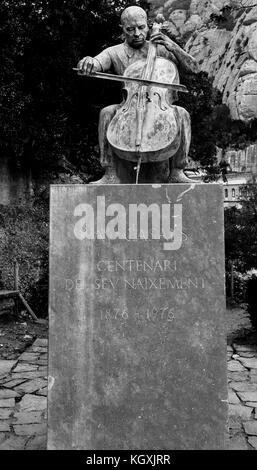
146,125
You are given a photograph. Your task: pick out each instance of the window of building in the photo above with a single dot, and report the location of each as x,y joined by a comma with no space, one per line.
233,192
226,192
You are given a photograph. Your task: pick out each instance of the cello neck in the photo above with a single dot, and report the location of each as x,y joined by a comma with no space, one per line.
147,74
151,56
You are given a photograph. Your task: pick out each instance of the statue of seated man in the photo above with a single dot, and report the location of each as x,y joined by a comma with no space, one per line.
117,59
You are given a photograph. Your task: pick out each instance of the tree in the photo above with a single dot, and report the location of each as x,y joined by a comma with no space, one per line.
47,112
241,231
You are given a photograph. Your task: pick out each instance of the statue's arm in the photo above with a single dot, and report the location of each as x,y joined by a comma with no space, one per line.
185,60
100,63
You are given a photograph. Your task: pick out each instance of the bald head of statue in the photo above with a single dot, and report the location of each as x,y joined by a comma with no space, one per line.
134,26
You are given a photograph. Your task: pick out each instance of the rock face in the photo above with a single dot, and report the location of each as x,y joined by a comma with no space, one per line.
222,35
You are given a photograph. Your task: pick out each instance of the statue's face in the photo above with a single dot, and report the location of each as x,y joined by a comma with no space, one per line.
135,30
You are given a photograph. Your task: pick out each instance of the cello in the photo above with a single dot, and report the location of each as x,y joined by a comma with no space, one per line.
146,127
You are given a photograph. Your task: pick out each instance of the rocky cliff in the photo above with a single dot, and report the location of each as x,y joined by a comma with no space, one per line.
222,35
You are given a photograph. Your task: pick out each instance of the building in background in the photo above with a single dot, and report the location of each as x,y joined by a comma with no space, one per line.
240,169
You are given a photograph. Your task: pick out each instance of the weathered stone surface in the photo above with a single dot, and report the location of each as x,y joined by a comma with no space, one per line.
250,363
33,403
42,362
248,396
7,403
227,52
37,349
29,357
25,368
243,386
37,443
232,397
235,356
41,343
238,376
134,364
31,386
235,423
29,429
229,56
6,366
2,437
250,427
253,441
31,417
246,354
30,375
5,413
253,375
244,348
253,404
193,23
4,426
240,410
235,366
6,393
42,391
13,383
238,443
13,443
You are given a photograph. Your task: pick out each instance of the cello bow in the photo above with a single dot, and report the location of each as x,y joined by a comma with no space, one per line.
121,78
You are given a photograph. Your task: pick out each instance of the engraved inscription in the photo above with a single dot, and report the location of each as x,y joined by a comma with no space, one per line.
153,314
147,283
143,283
137,265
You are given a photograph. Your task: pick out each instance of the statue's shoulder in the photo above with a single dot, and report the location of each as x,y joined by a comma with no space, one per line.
117,49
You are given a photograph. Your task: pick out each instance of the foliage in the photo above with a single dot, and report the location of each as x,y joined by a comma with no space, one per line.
47,112
224,19
241,250
24,237
239,286
212,125
201,103
241,232
251,299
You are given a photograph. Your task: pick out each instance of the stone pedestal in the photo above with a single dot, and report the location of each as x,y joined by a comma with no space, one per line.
137,336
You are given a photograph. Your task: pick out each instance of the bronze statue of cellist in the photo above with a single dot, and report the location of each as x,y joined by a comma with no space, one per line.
117,59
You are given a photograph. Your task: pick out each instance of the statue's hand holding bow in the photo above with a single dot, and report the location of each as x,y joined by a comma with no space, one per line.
88,65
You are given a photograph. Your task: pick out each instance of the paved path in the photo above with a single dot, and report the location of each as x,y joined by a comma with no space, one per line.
23,391
242,396
23,396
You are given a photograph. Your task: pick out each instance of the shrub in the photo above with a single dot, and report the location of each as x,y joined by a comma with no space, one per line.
251,298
